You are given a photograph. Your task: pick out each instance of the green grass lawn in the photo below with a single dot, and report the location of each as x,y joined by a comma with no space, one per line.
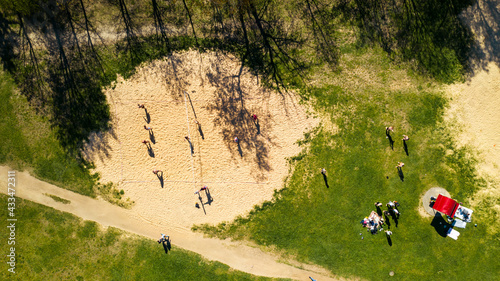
322,225
52,245
29,142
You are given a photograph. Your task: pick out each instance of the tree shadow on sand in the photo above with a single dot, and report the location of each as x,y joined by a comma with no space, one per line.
483,17
235,119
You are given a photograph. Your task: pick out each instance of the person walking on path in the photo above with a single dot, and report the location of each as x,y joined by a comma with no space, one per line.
148,128
163,238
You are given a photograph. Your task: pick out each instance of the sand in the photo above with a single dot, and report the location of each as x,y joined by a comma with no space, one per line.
474,112
209,88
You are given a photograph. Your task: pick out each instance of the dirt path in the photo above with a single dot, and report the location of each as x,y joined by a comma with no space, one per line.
236,255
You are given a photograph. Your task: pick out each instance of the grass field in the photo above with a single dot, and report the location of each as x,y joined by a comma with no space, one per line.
29,142
52,245
320,224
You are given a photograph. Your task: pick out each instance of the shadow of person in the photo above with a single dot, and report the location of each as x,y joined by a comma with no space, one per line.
166,245
160,178
389,240
257,125
387,221
391,141
209,197
441,225
148,117
191,147
152,136
405,146
239,149
150,151
394,218
400,173
201,203
325,178
201,132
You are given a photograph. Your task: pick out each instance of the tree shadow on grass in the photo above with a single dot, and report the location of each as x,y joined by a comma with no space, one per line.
427,32
483,17
7,43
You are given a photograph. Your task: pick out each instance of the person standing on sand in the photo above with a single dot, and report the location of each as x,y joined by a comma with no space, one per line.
254,117
156,172
141,106
145,142
236,140
187,138
147,128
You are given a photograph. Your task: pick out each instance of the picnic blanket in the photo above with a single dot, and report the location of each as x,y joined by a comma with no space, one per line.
453,233
375,217
463,213
459,223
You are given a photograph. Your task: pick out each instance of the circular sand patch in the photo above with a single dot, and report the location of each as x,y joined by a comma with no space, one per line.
425,209
212,89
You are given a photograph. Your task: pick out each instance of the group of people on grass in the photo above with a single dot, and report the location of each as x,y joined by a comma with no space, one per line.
375,223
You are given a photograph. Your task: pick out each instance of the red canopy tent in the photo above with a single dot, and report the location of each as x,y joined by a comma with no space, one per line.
446,205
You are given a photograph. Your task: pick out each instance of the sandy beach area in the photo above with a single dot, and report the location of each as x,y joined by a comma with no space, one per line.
210,89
